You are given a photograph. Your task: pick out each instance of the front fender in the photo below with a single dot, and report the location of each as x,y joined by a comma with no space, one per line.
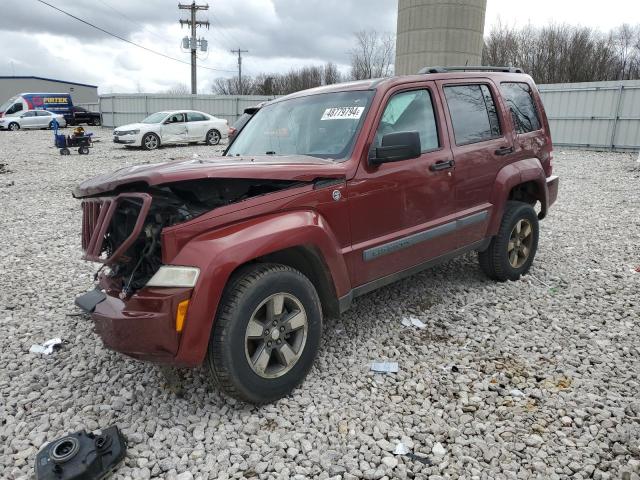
522,171
220,252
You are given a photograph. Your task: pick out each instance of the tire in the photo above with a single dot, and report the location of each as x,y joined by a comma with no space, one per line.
213,137
150,141
13,126
64,151
512,251
235,354
50,127
83,150
96,122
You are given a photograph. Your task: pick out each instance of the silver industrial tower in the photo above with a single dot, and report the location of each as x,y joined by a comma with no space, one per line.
439,33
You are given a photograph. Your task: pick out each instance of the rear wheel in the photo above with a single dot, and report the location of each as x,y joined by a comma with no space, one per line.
213,137
512,250
83,150
13,126
266,333
96,122
150,141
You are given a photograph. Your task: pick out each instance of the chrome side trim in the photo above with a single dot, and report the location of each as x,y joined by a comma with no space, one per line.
415,238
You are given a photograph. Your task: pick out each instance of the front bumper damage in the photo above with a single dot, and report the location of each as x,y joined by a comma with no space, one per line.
142,326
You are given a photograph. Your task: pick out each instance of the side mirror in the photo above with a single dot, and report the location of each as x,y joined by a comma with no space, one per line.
396,147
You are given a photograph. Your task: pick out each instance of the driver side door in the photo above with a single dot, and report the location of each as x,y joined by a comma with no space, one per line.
403,213
29,119
174,129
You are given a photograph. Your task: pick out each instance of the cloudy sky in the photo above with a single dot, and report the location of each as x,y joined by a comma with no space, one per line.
279,34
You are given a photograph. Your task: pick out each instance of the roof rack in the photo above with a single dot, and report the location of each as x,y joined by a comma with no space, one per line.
470,68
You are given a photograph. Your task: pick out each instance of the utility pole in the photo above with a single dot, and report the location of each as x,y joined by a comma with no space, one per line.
240,52
193,43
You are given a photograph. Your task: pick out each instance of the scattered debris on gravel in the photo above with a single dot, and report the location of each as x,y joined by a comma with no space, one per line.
546,372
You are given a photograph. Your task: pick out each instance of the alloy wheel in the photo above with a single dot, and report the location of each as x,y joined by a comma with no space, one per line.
276,335
520,240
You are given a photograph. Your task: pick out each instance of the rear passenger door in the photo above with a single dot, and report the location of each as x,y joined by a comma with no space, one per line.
481,147
196,126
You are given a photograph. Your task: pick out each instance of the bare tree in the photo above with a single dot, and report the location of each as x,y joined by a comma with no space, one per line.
178,89
563,53
373,55
331,74
231,86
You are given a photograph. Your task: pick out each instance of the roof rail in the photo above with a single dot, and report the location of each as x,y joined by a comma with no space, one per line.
470,68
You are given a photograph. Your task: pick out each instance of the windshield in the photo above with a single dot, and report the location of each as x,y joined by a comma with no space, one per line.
323,125
7,104
155,118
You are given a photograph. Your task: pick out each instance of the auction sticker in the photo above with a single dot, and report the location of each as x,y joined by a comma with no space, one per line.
342,113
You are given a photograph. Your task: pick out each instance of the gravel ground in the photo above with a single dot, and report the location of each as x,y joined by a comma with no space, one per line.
530,379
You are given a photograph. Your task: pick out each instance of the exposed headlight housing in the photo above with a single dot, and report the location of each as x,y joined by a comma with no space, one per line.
126,132
174,276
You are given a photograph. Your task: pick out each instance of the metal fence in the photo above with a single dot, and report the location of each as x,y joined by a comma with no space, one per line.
121,109
594,115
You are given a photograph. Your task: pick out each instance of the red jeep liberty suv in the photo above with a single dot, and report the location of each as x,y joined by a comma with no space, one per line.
325,195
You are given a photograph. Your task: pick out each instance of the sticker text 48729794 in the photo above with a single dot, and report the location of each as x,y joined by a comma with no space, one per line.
342,113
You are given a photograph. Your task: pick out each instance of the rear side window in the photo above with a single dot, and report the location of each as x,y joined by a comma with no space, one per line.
195,117
29,114
42,113
523,109
473,113
410,112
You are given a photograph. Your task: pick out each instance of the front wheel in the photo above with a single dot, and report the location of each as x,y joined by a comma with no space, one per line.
13,126
213,137
150,141
266,333
512,250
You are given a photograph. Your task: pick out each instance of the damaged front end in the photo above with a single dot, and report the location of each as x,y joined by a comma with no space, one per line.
123,231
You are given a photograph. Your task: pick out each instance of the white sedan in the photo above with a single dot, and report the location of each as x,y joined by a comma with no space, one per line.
181,126
32,119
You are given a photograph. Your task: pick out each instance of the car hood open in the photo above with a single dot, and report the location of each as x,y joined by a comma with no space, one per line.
285,167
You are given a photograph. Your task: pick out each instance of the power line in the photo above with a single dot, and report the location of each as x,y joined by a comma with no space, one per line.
128,41
130,20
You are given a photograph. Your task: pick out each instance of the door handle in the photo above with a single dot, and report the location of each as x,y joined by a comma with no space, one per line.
441,165
504,151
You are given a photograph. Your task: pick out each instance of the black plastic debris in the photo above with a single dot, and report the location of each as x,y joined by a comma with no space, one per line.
81,456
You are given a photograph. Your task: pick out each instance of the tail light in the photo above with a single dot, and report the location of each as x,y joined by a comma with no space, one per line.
232,131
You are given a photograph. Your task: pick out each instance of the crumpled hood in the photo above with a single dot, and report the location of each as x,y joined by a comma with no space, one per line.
285,167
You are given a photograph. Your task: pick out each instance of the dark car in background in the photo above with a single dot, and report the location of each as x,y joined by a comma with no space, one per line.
79,115
242,121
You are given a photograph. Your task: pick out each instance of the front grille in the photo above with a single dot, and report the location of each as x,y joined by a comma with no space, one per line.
97,214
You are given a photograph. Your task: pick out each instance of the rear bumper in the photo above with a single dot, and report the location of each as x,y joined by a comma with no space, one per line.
142,326
552,188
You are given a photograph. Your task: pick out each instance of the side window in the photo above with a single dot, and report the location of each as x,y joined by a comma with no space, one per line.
176,118
523,109
29,114
42,113
195,117
473,113
410,112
